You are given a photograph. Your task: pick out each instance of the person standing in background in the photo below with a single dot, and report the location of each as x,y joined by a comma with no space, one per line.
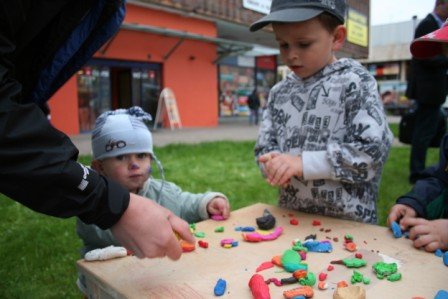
428,86
254,106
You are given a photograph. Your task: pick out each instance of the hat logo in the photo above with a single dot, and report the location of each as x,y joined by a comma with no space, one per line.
111,144
329,3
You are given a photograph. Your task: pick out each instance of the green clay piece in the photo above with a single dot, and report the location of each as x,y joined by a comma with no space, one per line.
384,269
299,247
193,226
354,262
366,280
308,280
349,237
219,229
394,277
199,234
356,277
291,260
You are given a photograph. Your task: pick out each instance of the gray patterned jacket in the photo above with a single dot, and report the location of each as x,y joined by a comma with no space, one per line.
335,120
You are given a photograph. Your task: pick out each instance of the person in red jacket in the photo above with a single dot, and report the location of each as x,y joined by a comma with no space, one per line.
42,44
424,210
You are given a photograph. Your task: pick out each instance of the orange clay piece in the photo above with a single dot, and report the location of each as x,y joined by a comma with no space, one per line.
186,247
277,260
342,284
322,285
305,291
350,246
299,274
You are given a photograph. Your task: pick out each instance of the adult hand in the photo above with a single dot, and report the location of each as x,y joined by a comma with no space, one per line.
429,234
399,211
147,229
219,206
280,168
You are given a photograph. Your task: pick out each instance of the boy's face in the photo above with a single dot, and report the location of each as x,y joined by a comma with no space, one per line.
130,170
305,47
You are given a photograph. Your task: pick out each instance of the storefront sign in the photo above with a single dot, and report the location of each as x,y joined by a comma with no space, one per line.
357,28
262,6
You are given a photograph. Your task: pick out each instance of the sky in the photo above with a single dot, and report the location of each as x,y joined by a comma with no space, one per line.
392,11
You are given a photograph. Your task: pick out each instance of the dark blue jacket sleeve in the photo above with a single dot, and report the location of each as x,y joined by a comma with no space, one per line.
431,186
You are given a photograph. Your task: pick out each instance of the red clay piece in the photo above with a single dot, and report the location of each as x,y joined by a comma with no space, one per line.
258,287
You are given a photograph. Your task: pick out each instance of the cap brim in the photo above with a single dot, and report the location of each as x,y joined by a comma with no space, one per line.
430,45
286,16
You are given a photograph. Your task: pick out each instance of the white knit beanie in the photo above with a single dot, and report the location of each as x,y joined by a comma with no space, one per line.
120,132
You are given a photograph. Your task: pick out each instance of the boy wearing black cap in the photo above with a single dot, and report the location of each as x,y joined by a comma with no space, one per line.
424,210
324,137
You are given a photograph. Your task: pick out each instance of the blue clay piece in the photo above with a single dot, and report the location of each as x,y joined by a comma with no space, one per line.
445,258
316,246
396,230
438,253
441,295
299,297
220,287
245,229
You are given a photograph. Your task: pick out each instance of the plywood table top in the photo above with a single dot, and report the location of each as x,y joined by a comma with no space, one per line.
196,273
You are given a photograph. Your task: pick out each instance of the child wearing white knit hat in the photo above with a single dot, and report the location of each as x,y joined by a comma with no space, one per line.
123,151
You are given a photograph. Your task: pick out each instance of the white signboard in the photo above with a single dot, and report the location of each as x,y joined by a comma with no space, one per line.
262,6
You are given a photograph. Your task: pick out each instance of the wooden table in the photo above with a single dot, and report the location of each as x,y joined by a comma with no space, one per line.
196,273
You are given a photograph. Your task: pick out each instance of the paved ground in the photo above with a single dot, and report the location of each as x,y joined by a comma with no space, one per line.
231,129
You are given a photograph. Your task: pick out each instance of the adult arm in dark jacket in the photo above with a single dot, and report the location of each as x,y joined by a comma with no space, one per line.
38,166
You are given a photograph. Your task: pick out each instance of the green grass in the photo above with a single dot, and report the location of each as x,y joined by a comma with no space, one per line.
39,252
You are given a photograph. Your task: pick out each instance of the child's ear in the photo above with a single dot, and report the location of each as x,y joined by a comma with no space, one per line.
339,35
97,166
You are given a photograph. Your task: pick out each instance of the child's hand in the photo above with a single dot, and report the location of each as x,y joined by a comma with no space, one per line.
429,234
280,168
398,212
219,206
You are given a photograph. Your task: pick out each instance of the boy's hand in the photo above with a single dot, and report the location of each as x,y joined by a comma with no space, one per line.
429,234
219,206
146,229
280,168
399,212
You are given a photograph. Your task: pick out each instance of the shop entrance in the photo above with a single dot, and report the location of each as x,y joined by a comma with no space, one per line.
108,84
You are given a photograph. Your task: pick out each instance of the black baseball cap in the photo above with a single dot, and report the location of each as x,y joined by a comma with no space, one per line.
290,11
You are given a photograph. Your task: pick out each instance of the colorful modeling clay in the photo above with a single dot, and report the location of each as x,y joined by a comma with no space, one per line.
258,287
350,262
202,244
257,237
382,269
107,253
245,229
300,291
264,266
220,287
394,277
318,246
438,252
266,222
199,234
187,247
396,229
445,258
219,229
294,221
289,280
309,280
274,281
322,285
356,277
217,217
442,294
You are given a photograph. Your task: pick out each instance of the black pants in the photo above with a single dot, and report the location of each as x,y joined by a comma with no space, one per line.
425,128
